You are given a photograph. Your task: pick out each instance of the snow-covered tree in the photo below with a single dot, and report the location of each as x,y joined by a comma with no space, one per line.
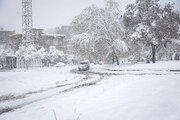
88,21
150,25
5,51
82,46
104,25
27,53
54,55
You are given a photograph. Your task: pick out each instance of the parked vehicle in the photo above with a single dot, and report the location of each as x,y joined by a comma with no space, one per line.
84,65
176,56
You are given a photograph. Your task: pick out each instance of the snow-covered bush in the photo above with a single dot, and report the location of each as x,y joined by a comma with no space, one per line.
5,52
60,64
29,56
27,53
54,55
48,57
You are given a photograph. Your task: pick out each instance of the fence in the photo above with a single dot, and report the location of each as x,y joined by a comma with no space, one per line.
22,63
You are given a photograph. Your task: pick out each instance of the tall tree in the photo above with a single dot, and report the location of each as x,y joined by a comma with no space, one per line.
105,24
152,25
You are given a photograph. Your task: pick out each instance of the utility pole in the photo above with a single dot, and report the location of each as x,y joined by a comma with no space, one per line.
27,23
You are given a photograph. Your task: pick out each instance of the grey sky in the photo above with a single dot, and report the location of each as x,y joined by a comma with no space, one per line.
50,13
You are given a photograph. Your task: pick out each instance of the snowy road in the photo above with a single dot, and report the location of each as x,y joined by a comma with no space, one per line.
15,102
113,92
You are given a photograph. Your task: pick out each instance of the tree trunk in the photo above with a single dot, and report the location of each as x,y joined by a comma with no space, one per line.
113,59
117,60
116,56
153,53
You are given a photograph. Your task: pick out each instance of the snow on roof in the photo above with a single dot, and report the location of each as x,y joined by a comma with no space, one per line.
37,29
6,31
14,35
54,35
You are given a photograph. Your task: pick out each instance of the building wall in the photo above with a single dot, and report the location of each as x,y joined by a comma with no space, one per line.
15,41
40,39
37,33
5,36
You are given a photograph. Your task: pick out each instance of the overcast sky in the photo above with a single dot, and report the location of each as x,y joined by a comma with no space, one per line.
50,13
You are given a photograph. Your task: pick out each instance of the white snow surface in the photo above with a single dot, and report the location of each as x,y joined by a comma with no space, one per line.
60,64
159,67
19,81
115,97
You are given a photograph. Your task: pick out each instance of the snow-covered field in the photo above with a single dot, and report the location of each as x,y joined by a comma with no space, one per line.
128,92
20,81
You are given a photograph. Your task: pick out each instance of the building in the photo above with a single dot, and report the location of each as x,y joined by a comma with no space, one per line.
5,36
37,36
15,41
40,40
52,40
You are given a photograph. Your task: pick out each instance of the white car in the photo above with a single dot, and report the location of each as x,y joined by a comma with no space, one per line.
84,65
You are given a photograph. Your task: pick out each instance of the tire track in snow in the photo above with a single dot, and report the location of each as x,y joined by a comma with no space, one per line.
36,96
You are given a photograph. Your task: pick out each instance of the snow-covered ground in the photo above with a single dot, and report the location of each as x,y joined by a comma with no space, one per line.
169,67
105,93
20,81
